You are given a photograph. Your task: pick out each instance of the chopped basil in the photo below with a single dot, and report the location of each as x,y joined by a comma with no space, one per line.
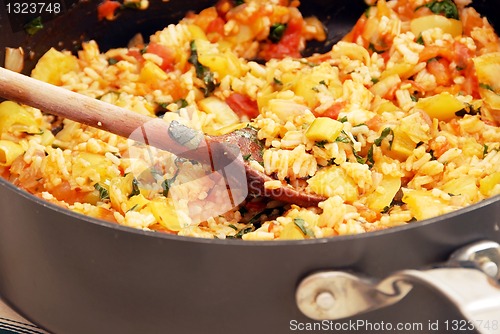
375,80
246,157
112,61
386,209
371,47
413,98
34,26
387,131
202,72
276,32
133,208
468,110
181,103
300,223
277,81
369,156
242,232
103,192
485,149
359,158
233,227
342,139
444,7
135,188
486,86
321,143
166,184
239,2
322,82
343,119
420,40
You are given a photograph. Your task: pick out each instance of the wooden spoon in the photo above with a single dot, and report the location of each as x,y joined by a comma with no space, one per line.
181,140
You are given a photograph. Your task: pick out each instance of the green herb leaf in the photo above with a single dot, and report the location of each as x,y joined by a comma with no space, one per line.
375,80
277,81
300,223
485,149
34,26
239,2
420,40
247,156
486,86
276,32
342,139
112,61
387,131
343,119
181,103
133,208
103,192
321,144
444,7
135,188
202,72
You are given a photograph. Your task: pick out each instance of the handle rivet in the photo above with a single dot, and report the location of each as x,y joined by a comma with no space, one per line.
325,300
490,268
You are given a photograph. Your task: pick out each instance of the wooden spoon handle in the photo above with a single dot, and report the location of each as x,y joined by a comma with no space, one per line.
83,109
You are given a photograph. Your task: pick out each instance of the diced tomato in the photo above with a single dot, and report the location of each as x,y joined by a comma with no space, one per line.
106,9
434,51
243,105
356,31
375,123
136,54
216,25
332,111
440,69
164,53
462,55
289,44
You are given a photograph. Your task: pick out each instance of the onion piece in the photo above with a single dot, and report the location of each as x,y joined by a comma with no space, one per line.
14,59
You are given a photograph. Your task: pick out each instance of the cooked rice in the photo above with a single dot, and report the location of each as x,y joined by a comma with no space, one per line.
397,158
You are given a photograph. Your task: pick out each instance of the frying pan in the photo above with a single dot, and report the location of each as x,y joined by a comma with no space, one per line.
74,274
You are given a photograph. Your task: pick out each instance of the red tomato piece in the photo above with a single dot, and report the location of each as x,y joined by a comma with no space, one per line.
289,44
164,53
106,10
243,105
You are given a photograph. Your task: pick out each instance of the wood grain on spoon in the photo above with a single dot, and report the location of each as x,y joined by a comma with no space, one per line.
181,140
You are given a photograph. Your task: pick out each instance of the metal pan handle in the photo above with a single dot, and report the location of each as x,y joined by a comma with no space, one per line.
333,295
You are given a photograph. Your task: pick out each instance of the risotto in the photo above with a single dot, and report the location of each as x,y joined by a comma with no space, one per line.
397,123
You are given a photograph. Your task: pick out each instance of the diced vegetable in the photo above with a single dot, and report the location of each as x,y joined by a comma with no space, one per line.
9,151
53,65
324,128
165,213
291,232
442,106
464,185
152,73
385,85
402,145
450,26
490,183
13,117
224,115
242,105
383,196
423,204
333,180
